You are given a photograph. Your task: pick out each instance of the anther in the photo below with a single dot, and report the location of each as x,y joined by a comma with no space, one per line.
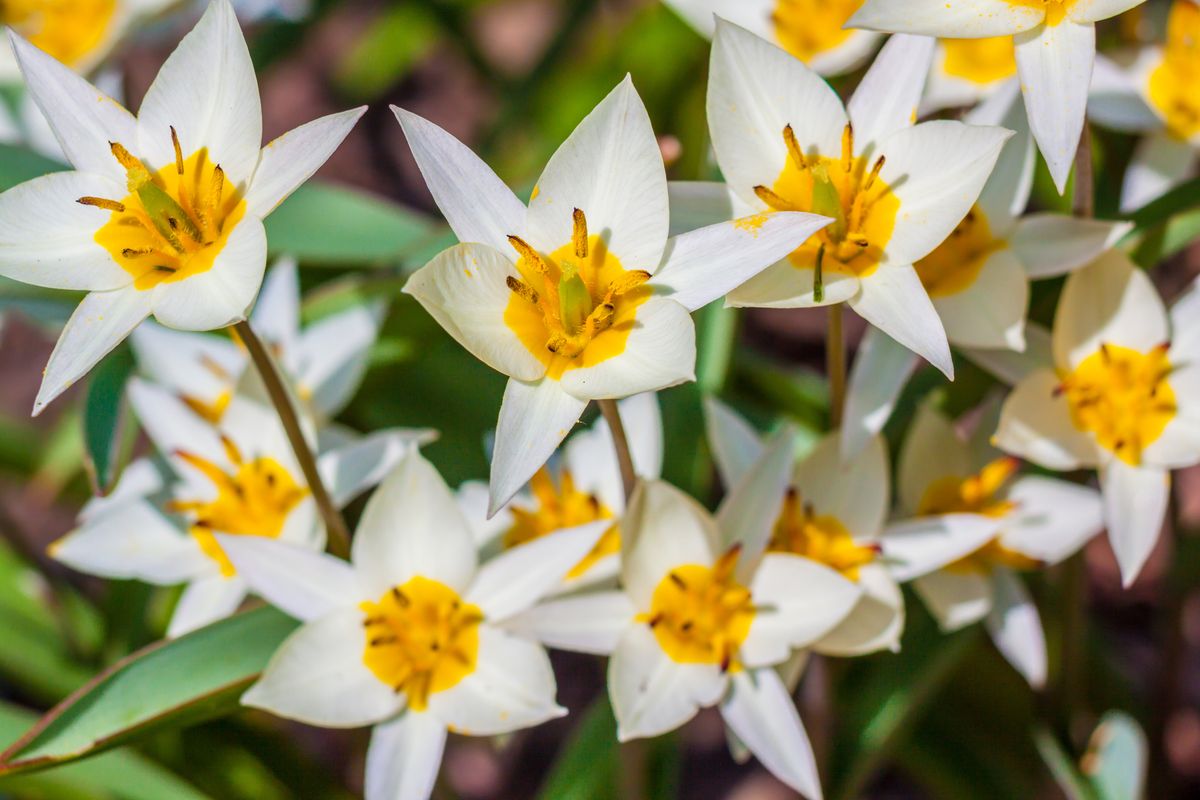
789,138
531,256
124,157
400,596
382,640
774,200
521,289
133,252
178,151
678,581
580,233
100,202
848,147
875,170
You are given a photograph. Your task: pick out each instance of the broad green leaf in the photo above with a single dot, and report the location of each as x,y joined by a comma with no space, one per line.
1115,762
1184,197
398,38
102,416
168,684
586,768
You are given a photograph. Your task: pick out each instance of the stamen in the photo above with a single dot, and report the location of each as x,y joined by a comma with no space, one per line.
789,138
848,147
521,289
231,450
531,256
178,151
131,252
627,282
819,276
774,200
580,234
100,202
875,170
124,157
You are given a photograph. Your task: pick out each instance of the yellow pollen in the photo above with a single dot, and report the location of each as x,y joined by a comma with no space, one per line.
1171,90
69,30
955,264
974,494
1056,10
980,61
701,615
420,639
571,310
822,538
992,555
1122,397
558,507
809,28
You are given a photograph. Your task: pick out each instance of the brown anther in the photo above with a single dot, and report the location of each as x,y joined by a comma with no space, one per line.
579,234
217,188
100,202
521,289
655,621
164,268
1104,353
530,256
627,282
400,596
124,157
848,147
678,581
793,146
382,640
875,170
133,252
178,151
774,200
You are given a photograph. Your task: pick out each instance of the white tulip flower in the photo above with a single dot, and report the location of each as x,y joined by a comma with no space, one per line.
163,213
410,637
1055,43
582,296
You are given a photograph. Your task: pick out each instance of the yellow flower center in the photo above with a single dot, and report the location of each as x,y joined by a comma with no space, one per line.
421,638
560,507
849,190
974,494
993,555
575,307
808,28
174,222
822,538
955,264
1122,398
1056,10
69,30
980,61
254,500
1172,84
701,615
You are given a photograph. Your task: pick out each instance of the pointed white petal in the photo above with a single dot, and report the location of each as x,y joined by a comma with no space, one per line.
317,676
784,285
697,204
875,623
298,581
472,497
1159,164
703,14
587,623
1135,503
349,470
920,546
1006,193
663,528
610,168
642,417
1011,366
192,364
956,599
881,369
854,490
893,300
735,445
140,480
205,601
100,322
207,91
760,711
990,313
1054,244
887,97
747,515
1096,10
291,159
847,56
1185,323
534,419
962,19
333,355
1016,627
173,427
1179,444
132,541
932,450
1035,424
1053,519
404,757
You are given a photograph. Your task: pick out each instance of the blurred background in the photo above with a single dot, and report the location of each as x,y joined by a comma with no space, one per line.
945,718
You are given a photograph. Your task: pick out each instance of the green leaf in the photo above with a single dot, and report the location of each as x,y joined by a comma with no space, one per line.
587,767
322,224
1184,197
168,684
1115,762
396,40
1061,766
19,164
102,416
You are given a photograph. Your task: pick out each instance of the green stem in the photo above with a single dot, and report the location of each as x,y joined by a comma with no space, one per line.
835,364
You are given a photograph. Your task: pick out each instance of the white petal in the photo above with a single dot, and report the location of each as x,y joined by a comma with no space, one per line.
760,711
1011,366
703,14
706,264
207,91
887,97
592,459
192,364
937,171
659,353
519,577
472,497
881,368
585,623
1055,244
205,601
1096,10
990,313
854,490
317,676
412,527
784,285
1110,301
663,528
464,288
1135,504
140,480
956,599
956,19
932,450
1115,100
333,355
1159,164
642,417
847,56
298,581
1053,519
291,159
893,300
747,515
48,239
876,622
1016,627
697,204
920,546
511,688
100,323
734,443
476,203
798,601
1035,424
1179,444
1185,324
135,541
222,295
404,757
534,419
1055,65
276,314
171,425
353,468
610,168
650,693
83,118
1006,193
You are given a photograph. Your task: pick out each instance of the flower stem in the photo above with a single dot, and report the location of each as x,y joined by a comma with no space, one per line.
1085,178
339,535
835,364
608,408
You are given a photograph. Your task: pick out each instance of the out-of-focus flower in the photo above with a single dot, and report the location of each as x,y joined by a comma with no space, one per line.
585,487
1042,521
814,31
1121,396
164,213
240,478
1055,43
325,360
784,141
582,296
409,638
966,71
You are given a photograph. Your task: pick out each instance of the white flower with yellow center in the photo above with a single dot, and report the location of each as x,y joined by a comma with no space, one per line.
966,71
814,31
784,141
1157,96
582,296
238,479
325,361
1121,396
1055,43
164,213
410,637
1042,521
584,487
